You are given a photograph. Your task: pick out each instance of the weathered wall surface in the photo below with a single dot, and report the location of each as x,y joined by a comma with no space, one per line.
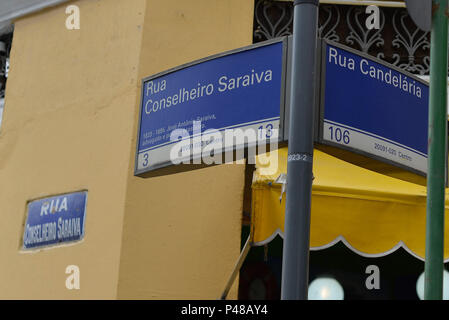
70,124
181,234
67,125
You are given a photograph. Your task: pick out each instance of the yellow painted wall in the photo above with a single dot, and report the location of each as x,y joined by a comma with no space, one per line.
181,234
70,124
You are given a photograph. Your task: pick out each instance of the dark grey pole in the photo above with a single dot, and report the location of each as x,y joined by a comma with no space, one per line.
295,264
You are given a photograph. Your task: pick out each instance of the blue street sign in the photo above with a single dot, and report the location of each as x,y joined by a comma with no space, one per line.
242,89
55,220
373,108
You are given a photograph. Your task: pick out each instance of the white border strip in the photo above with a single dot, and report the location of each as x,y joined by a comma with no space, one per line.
341,238
377,147
236,126
160,155
374,135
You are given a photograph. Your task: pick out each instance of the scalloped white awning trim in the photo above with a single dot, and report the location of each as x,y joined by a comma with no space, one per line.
342,239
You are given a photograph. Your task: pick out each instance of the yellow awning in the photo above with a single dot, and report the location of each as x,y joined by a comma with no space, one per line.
371,213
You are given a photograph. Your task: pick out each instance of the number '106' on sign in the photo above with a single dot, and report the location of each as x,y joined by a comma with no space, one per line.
339,135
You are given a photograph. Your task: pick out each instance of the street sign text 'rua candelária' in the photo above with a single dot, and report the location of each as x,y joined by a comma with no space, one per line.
373,108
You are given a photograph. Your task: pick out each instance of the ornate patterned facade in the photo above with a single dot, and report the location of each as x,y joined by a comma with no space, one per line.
397,41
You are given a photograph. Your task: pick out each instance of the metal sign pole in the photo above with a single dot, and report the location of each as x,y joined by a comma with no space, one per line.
434,264
295,265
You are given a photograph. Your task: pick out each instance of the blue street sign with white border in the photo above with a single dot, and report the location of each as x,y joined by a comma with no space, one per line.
373,108
55,220
242,88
